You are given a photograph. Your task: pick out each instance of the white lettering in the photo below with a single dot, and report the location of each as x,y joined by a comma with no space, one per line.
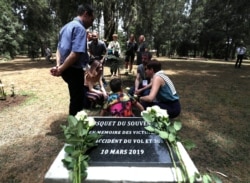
122,151
127,132
136,123
127,141
138,141
105,123
121,123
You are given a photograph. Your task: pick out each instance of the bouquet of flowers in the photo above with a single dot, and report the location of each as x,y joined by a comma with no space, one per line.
78,142
159,123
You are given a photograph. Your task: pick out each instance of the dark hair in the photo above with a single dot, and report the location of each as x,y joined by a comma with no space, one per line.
85,8
115,85
155,65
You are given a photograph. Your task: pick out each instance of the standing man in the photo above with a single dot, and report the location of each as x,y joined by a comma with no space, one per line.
97,48
141,49
131,46
48,54
72,56
97,51
241,50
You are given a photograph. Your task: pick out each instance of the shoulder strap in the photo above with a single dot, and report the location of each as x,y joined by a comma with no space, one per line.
168,81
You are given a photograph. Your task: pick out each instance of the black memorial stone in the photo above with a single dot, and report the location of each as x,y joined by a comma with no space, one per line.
125,142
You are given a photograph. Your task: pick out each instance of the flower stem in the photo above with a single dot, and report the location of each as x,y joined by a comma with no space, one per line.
184,168
172,157
79,168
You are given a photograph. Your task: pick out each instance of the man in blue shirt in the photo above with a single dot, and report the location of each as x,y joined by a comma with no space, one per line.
72,56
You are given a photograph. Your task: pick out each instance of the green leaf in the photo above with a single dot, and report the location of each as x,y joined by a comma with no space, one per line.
163,134
192,178
94,136
188,144
215,178
171,138
206,178
149,128
74,140
171,129
82,132
72,120
147,117
68,159
67,136
84,175
69,149
76,153
177,125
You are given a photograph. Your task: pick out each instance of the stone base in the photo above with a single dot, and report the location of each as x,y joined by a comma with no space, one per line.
57,173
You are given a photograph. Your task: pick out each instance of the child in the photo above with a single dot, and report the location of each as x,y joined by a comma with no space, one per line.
119,103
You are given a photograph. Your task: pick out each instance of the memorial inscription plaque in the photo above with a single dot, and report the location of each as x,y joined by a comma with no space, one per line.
125,142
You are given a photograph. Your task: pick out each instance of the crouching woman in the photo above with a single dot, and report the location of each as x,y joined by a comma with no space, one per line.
93,76
163,92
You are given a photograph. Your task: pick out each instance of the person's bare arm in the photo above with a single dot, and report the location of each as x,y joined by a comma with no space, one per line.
144,88
92,89
156,84
137,81
102,88
102,113
139,106
70,60
58,57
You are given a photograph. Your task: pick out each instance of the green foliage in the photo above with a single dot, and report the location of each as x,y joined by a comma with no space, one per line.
79,141
39,27
200,28
10,28
159,123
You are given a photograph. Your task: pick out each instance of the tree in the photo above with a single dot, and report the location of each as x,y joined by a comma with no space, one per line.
37,22
10,29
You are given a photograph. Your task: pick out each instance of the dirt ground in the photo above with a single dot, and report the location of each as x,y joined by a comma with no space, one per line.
215,100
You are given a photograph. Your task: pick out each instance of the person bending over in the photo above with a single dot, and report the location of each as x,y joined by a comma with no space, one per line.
163,92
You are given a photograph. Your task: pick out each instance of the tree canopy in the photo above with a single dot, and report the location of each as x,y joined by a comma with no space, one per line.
183,28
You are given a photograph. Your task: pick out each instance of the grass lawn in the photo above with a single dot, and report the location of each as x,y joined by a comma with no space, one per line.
215,99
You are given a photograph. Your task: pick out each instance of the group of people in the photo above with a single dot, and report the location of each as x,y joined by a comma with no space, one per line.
101,51
159,91
139,50
79,61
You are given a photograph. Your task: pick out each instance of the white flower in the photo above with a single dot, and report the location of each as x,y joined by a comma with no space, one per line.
157,111
155,108
91,121
162,113
80,116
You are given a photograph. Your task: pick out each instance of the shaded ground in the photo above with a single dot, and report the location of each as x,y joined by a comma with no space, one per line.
12,101
215,101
